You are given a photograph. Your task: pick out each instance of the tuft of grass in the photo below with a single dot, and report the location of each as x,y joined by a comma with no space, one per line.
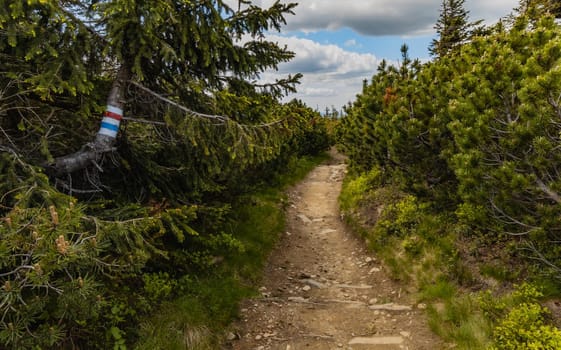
442,290
458,319
499,272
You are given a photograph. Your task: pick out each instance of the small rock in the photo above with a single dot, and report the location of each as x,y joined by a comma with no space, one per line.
422,306
377,341
304,218
375,269
390,307
405,334
258,337
373,301
231,336
369,259
306,288
297,299
312,283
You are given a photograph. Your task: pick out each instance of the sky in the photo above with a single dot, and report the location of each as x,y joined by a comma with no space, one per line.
339,43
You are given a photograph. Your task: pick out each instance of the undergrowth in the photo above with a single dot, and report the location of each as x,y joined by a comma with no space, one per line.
474,302
196,319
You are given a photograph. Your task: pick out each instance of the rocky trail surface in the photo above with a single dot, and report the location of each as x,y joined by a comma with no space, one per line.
322,289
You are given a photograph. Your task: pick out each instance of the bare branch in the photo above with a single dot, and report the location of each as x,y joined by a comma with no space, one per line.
548,191
144,121
179,106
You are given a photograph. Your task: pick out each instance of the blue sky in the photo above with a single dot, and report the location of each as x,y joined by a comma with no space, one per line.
384,46
339,43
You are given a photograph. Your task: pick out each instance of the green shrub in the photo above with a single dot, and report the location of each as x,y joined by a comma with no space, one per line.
400,219
520,321
356,190
524,328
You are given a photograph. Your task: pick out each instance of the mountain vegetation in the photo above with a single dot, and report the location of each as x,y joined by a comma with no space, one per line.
141,169
460,157
101,226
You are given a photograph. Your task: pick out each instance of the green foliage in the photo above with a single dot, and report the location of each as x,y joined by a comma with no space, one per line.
524,328
521,322
56,266
473,133
469,142
356,188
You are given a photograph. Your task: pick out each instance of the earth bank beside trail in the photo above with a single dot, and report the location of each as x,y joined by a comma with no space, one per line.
322,289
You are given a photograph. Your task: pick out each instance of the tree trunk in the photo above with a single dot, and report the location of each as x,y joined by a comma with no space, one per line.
106,136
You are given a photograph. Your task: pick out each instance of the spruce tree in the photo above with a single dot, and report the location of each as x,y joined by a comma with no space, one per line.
537,8
453,28
181,50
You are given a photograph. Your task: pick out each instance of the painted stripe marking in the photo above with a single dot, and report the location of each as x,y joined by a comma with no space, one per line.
107,132
114,109
111,121
108,126
115,116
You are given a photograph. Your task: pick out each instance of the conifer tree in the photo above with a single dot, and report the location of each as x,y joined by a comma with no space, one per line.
540,7
183,50
453,28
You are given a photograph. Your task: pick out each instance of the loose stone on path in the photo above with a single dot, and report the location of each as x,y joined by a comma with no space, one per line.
377,341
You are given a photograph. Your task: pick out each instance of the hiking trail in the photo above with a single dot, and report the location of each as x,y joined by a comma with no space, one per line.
322,289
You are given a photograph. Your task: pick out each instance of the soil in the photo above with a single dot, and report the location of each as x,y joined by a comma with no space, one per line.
322,289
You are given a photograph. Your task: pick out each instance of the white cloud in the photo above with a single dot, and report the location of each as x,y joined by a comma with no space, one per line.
316,58
332,75
382,17
352,43
317,92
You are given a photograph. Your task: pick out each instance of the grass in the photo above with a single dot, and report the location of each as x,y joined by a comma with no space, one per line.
197,319
499,272
457,319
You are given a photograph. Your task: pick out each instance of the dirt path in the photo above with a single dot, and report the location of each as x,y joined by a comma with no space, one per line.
323,290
